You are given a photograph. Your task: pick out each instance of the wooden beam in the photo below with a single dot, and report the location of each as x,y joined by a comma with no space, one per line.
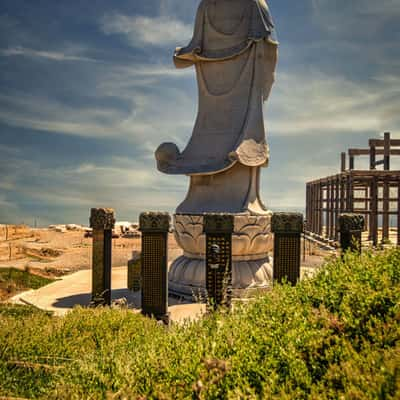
381,142
367,152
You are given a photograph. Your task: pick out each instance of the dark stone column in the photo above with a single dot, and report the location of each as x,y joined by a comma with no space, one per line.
154,268
218,229
351,227
134,273
102,221
287,229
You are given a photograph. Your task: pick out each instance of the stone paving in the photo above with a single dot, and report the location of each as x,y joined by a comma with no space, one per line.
73,290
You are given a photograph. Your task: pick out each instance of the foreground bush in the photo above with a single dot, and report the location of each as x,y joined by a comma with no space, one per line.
335,336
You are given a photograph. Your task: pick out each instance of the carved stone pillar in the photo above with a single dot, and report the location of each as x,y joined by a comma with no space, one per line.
219,229
154,268
102,221
134,273
287,228
350,228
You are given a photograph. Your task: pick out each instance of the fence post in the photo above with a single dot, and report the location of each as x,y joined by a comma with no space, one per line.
351,227
154,264
218,229
287,229
102,221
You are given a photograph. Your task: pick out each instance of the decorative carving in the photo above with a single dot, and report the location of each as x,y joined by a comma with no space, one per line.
187,276
251,240
218,223
287,223
102,218
351,222
154,222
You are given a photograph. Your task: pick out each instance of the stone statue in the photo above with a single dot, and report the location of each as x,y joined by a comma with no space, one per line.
234,53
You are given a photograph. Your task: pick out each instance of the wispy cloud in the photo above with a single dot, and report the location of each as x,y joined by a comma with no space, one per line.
315,103
49,55
69,192
356,18
139,30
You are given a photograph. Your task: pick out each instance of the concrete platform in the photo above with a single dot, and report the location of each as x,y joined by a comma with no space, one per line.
72,290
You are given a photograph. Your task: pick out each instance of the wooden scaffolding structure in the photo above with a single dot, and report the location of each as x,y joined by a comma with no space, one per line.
373,193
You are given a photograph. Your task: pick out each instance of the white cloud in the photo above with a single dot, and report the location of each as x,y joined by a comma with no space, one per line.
356,18
50,55
139,30
316,103
65,194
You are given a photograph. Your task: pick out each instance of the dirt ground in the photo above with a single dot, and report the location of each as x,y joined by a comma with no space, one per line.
51,253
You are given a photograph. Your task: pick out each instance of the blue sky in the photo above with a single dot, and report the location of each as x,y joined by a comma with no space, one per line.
88,91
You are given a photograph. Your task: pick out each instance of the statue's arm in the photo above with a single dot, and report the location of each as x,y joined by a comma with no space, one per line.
185,56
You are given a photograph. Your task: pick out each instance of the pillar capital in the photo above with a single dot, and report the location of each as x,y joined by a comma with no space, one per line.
349,222
102,218
154,222
285,222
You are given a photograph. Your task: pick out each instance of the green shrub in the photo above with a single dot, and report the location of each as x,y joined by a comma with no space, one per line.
331,337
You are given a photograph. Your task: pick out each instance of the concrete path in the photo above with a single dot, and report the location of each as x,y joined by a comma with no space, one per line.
75,289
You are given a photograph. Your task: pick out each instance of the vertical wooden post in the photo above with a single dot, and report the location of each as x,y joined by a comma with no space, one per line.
351,162
372,158
385,210
287,229
219,229
342,193
351,227
318,208
308,206
310,222
398,213
366,203
343,162
332,231
328,209
312,219
351,194
386,152
374,211
321,209
155,227
337,206
102,221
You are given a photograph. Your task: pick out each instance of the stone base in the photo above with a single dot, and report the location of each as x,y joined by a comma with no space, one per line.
251,247
187,277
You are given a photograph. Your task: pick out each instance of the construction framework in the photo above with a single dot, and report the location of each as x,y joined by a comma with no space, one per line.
373,193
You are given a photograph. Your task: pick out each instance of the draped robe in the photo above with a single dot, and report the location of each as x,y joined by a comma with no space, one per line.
234,52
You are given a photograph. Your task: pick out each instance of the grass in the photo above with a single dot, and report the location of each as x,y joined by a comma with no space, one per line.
13,280
336,336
